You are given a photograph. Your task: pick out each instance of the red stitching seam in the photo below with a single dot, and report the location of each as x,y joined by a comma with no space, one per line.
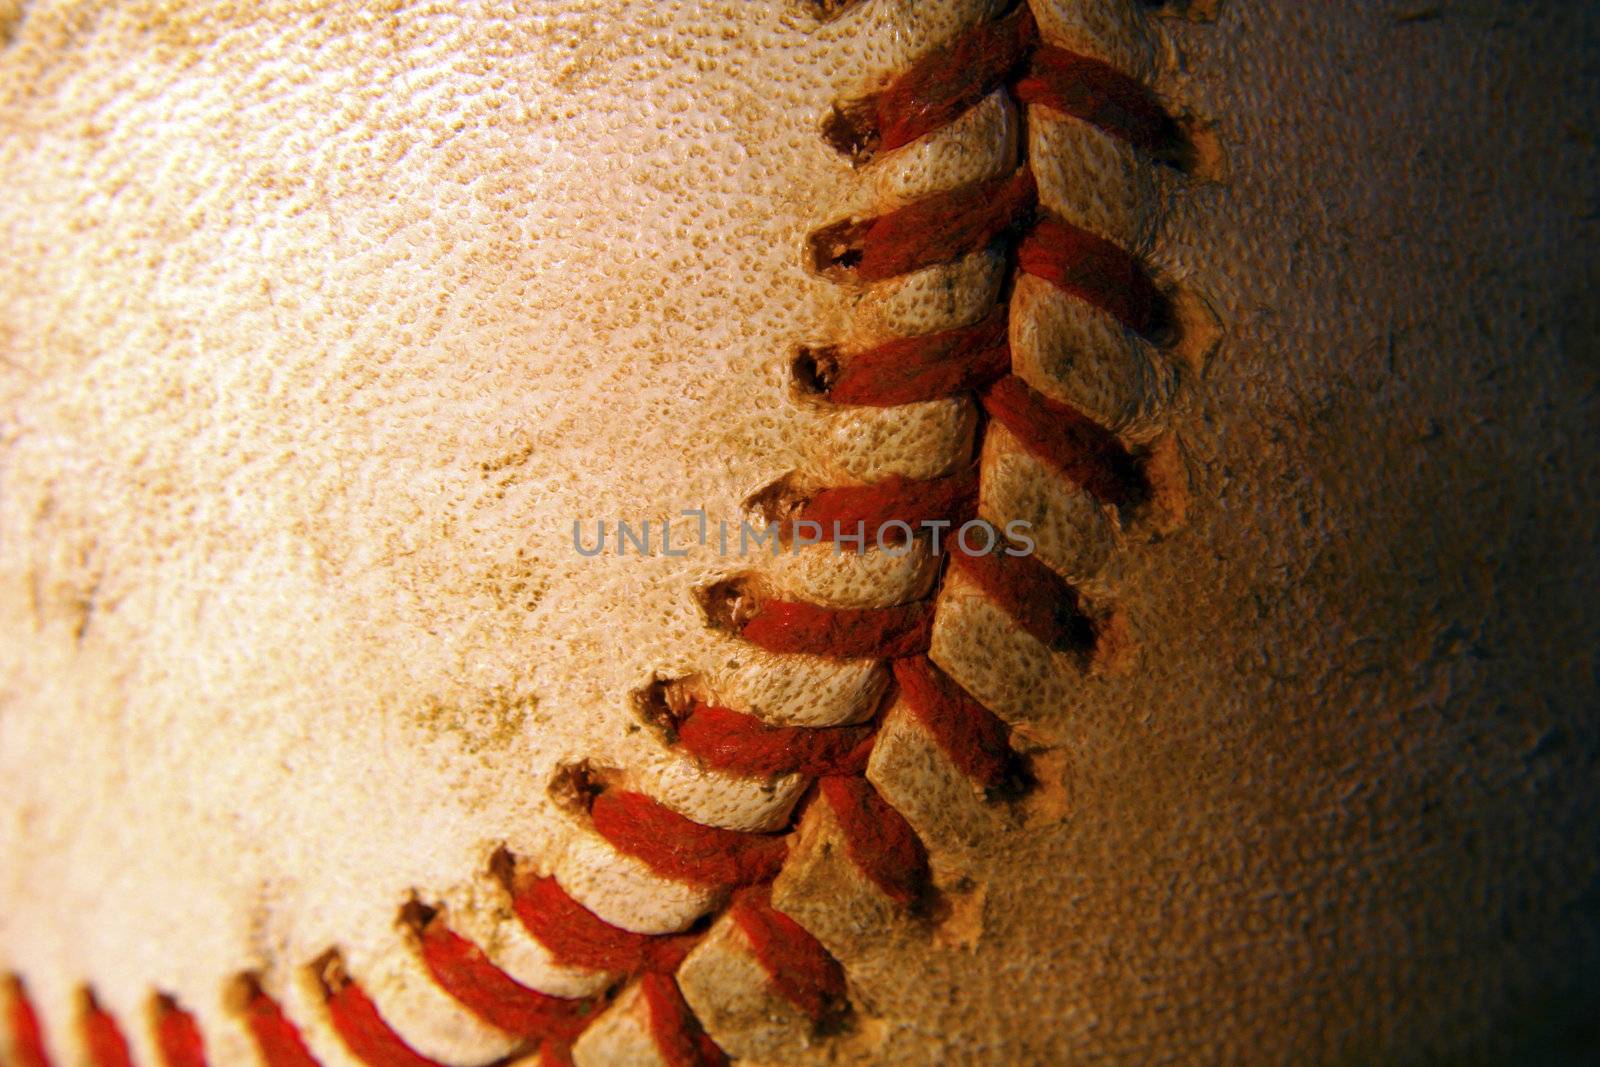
677,847
178,1037
463,971
102,1038
677,1033
800,967
356,1020
27,1036
577,937
276,1038
734,741
931,93
848,508
911,369
969,734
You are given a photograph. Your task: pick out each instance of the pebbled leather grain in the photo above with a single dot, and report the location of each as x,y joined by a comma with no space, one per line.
323,322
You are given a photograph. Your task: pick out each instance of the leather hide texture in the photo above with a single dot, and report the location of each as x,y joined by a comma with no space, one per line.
322,323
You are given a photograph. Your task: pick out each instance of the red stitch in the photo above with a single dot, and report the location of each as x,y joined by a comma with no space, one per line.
27,1035
666,953
1099,94
911,369
1085,452
676,1032
681,848
796,963
102,1037
843,633
967,732
277,1039
1039,599
363,1031
868,508
937,229
573,934
555,1054
463,971
934,90
878,839
1093,269
733,741
577,937
178,1036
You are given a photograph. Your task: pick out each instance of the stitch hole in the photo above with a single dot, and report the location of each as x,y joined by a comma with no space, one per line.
780,503
851,129
838,248
1193,328
415,916
663,704
163,1005
730,604
1196,149
1165,330
1079,634
815,369
1191,146
574,786
827,10
329,972
1019,778
241,992
503,868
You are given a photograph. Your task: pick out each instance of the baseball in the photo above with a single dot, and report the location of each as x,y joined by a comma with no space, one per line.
676,532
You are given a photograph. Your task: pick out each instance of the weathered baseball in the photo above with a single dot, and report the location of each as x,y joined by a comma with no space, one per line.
807,531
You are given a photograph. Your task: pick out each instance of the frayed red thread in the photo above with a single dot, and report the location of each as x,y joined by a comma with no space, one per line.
938,229
1087,454
577,937
1040,601
178,1037
868,510
555,1054
734,741
27,1035
971,735
1101,95
843,633
943,84
879,840
908,370
676,1032
681,848
797,965
1095,270
949,225
934,90
463,971
277,1039
102,1037
365,1033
